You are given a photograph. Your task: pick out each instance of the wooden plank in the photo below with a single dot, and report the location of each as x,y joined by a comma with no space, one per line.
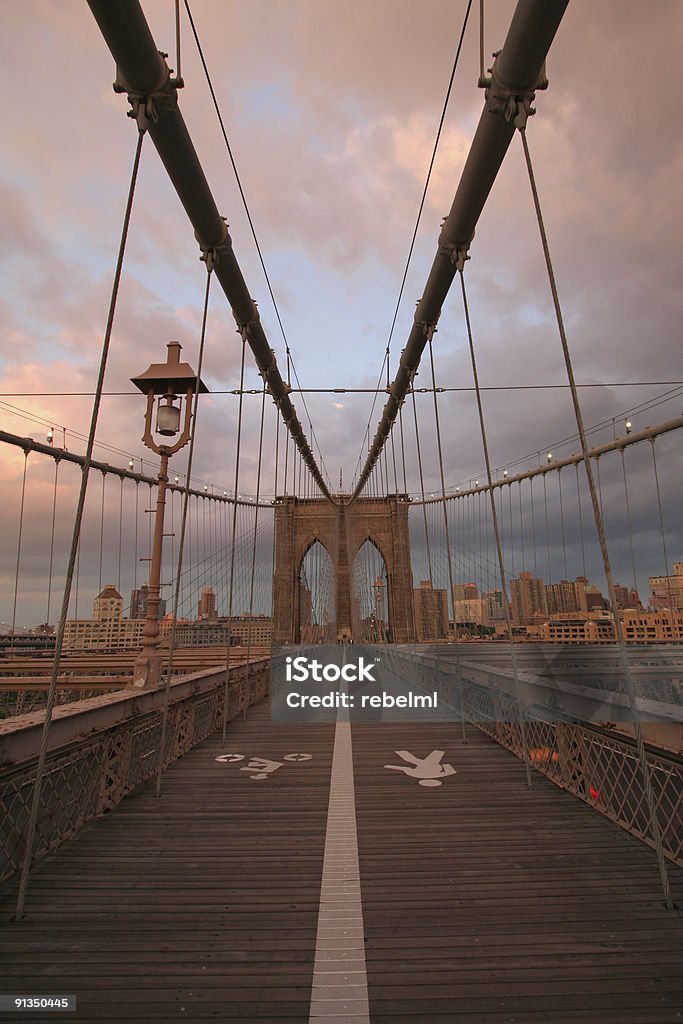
484,901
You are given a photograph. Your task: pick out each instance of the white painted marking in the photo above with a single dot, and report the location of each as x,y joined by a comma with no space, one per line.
340,983
428,770
298,757
230,758
262,766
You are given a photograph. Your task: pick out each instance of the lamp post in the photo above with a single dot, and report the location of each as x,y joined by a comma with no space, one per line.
169,386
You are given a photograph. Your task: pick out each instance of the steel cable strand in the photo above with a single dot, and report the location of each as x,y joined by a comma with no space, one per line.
232,544
496,531
75,544
451,597
19,538
253,550
454,69
181,546
599,524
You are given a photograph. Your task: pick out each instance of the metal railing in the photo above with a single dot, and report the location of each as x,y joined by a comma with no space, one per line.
601,769
86,778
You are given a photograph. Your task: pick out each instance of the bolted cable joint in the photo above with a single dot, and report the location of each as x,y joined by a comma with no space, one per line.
211,254
457,252
429,329
151,108
244,325
514,104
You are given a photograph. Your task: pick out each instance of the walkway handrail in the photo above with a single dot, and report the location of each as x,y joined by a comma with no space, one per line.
104,748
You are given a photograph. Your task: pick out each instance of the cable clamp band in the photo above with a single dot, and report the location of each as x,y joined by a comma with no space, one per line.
429,329
148,109
457,252
244,325
211,254
506,101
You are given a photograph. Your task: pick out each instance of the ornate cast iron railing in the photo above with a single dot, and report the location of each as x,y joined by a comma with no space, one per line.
87,777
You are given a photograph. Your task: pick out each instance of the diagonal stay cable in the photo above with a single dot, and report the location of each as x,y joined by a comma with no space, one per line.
602,538
246,205
75,543
422,202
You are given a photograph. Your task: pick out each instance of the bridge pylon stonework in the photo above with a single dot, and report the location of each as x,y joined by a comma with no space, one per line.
342,529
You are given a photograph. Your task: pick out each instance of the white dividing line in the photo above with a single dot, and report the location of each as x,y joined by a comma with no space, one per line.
340,983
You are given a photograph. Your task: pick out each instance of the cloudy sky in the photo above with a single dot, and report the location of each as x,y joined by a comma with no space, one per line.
332,109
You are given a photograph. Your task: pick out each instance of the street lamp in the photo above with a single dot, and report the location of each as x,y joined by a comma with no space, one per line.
169,386
629,426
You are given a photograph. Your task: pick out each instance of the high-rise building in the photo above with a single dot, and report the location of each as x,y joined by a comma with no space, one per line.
465,592
494,606
565,596
528,599
206,609
472,611
431,612
627,598
667,591
138,603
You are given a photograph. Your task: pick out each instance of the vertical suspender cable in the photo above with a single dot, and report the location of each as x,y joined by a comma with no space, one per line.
521,526
21,530
564,541
533,526
599,524
120,548
422,485
253,549
547,526
226,695
451,596
496,530
661,527
52,541
578,501
75,543
104,479
181,546
628,519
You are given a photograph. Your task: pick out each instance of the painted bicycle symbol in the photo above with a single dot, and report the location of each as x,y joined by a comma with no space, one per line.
262,767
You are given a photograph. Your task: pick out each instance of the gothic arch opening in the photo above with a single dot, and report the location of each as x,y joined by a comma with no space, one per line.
371,600
315,597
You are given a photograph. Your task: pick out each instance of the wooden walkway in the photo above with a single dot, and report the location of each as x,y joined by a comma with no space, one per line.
481,902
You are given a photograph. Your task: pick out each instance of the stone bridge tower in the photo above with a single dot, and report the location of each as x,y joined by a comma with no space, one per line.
342,529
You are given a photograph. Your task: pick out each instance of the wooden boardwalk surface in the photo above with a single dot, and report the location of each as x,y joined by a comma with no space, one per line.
481,902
